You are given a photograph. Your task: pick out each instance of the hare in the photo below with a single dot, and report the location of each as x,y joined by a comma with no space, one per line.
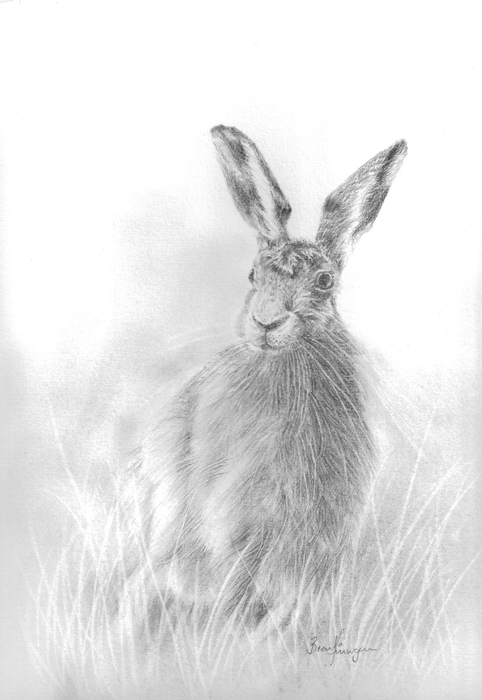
249,491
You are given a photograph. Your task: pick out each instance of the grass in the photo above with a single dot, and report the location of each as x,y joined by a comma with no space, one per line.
398,595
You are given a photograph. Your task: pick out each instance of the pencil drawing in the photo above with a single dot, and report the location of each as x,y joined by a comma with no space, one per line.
280,509
248,493
240,448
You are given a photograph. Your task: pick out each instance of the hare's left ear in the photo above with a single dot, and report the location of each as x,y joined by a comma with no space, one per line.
352,208
253,187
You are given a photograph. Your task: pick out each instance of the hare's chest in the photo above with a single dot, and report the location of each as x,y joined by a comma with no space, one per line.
232,433
244,453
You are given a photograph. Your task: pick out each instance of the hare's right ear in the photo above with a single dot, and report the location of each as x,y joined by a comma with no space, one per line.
352,208
252,185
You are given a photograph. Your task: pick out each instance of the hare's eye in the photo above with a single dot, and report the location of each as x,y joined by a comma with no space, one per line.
251,275
324,280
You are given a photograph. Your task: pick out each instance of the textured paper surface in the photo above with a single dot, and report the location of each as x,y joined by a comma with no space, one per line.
125,263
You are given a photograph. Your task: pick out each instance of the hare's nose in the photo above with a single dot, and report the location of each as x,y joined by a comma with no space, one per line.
272,325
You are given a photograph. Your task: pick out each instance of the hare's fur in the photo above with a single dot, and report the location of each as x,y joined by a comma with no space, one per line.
249,491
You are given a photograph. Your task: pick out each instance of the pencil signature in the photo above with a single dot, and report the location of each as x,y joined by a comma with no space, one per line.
338,648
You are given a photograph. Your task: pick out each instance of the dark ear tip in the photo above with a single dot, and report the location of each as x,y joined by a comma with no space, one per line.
217,132
393,159
221,131
399,148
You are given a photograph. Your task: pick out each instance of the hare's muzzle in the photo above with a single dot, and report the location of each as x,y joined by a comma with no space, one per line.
271,325
270,333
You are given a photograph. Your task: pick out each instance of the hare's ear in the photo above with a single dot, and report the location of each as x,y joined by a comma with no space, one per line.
352,208
254,189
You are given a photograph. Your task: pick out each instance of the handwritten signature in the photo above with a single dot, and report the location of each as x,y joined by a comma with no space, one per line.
337,649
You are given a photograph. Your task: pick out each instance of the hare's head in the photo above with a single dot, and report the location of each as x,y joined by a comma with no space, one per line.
294,282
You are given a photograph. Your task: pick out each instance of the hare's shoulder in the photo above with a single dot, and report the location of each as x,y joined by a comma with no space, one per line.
170,411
